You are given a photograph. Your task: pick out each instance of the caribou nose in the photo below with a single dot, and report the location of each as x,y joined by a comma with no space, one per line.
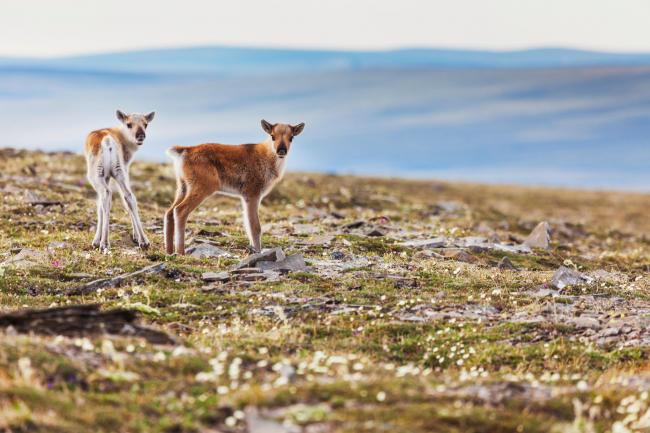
140,136
282,151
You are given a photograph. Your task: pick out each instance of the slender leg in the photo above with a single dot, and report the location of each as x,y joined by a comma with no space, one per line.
169,217
134,229
134,232
106,196
252,222
100,217
132,208
96,178
182,211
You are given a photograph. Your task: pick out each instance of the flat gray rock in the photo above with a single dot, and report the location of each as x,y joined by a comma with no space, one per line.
610,277
215,276
293,263
205,251
448,207
56,245
471,241
610,332
437,242
565,277
585,322
515,249
543,292
26,258
270,255
80,276
305,229
317,240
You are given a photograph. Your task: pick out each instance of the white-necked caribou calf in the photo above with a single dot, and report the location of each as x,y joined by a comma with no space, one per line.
109,153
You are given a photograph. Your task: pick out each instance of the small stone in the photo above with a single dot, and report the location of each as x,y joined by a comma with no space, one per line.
376,232
256,423
293,263
506,264
317,240
437,242
472,241
448,207
540,237
305,229
253,276
543,292
427,254
26,258
513,249
337,255
80,276
205,251
242,271
56,245
411,318
610,277
270,255
354,225
488,231
211,233
584,322
288,372
215,276
461,256
610,332
564,277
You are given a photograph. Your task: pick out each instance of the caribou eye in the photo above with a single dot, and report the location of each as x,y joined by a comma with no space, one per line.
145,126
291,138
129,125
272,137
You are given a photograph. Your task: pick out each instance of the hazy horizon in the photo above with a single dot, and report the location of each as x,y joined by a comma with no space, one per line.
39,28
542,118
506,91
324,50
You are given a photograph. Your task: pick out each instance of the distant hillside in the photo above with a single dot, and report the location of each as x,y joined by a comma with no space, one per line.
229,60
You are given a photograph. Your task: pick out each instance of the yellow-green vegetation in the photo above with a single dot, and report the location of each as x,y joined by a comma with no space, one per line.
377,336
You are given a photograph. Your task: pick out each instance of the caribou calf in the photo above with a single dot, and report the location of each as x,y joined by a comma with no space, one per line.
247,171
109,153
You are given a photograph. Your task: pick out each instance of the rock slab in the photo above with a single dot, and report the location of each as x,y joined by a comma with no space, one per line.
540,237
565,277
292,263
270,255
204,251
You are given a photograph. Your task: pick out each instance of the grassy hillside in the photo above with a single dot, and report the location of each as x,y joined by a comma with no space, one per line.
378,335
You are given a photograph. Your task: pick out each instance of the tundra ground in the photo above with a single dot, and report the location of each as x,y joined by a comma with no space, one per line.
377,335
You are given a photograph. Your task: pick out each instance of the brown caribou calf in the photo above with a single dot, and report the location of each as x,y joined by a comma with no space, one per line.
248,171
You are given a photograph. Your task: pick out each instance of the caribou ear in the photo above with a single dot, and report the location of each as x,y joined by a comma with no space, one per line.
120,116
267,127
150,116
297,129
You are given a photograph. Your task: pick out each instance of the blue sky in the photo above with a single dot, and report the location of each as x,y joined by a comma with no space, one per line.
67,27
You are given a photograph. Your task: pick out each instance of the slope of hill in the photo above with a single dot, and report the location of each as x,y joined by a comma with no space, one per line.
420,298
